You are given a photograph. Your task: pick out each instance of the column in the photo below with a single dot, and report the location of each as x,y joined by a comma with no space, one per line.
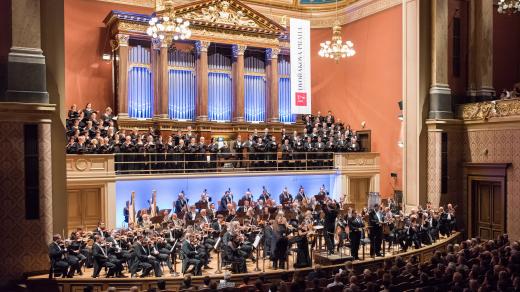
26,72
440,92
163,80
480,78
273,109
238,54
202,80
156,75
416,84
122,78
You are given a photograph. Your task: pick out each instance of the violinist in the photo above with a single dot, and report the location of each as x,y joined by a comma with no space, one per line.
190,254
58,256
235,255
303,258
141,259
203,217
101,259
191,215
76,250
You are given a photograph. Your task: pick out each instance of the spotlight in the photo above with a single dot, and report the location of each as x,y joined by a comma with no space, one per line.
400,117
400,103
107,57
400,144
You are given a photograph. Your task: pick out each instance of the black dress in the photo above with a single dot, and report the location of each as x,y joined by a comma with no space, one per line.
303,258
279,244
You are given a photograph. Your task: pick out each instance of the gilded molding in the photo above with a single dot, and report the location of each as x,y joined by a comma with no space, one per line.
489,109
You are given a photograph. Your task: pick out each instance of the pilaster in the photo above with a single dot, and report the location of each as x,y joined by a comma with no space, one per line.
238,54
202,80
273,109
122,78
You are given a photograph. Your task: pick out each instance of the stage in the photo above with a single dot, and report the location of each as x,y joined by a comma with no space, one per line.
43,283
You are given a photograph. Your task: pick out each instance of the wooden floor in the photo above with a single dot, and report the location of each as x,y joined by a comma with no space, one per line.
263,265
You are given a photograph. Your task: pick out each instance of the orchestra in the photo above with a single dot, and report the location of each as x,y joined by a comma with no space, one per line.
248,230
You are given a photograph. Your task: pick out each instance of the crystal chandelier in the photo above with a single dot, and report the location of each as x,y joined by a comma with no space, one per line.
508,6
164,23
336,49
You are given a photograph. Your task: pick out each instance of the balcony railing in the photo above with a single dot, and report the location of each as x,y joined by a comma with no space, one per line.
155,163
107,166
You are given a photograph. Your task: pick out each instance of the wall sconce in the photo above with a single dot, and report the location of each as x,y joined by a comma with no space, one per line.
106,57
400,117
400,144
363,124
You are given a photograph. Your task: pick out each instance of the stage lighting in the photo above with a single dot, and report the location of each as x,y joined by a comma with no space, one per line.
400,103
400,144
400,117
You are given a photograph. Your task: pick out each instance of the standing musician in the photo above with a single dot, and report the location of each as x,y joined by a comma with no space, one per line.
356,231
286,198
265,195
300,196
181,205
375,223
225,200
303,258
205,200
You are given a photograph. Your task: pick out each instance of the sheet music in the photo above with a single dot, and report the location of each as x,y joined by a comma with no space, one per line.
257,240
217,243
174,244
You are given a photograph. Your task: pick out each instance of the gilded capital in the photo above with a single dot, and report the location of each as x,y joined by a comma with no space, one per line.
156,44
239,50
202,46
272,53
122,39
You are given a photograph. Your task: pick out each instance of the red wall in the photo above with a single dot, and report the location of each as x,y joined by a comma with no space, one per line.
366,87
87,77
506,51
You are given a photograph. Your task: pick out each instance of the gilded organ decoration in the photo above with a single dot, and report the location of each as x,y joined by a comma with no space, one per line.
221,13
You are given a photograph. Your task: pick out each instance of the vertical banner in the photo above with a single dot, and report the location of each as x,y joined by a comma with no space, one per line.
300,66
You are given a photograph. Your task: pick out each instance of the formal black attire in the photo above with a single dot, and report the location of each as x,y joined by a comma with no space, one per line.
375,221
355,225
330,226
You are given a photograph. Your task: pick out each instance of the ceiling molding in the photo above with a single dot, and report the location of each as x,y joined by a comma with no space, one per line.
320,15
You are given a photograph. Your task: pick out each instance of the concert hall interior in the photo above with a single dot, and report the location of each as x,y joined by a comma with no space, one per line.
260,145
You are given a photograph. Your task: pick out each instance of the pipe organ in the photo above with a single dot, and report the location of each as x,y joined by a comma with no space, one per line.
181,85
236,69
140,88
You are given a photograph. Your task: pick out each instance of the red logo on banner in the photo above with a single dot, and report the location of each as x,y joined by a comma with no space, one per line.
301,98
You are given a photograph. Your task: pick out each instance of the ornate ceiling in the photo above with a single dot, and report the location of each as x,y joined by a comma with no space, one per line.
321,13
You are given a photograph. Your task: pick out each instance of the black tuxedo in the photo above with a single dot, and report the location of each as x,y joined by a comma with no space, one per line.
376,232
355,225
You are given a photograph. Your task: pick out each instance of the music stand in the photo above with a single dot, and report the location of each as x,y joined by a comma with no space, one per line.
216,248
320,198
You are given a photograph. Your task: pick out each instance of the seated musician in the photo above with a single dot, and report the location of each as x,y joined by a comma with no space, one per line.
140,261
59,262
235,255
78,251
190,254
191,215
101,258
203,217
218,226
163,252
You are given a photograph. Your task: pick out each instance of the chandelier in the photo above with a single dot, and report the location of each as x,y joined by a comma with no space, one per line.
164,23
508,6
336,49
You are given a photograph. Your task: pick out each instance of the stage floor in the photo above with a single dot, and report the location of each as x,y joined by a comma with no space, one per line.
264,265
